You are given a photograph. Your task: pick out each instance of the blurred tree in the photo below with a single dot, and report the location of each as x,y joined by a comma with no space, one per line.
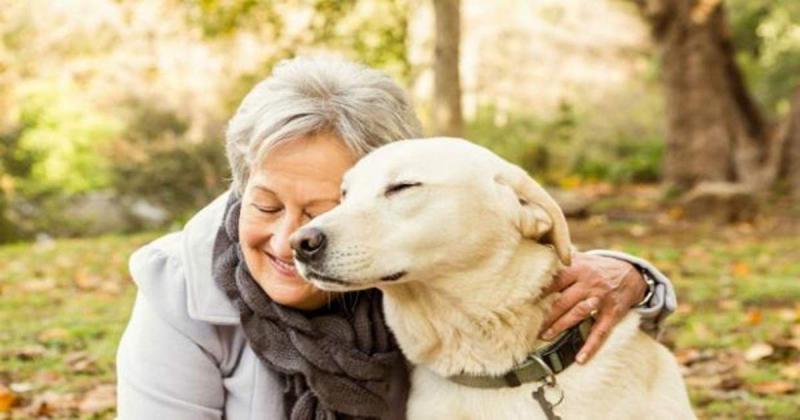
447,115
715,129
768,49
375,32
790,163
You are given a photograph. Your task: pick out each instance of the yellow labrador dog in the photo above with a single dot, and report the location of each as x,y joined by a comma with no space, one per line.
462,243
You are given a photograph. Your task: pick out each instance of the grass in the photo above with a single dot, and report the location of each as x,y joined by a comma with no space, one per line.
64,305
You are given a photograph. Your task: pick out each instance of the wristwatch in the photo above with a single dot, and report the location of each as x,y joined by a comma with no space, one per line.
651,287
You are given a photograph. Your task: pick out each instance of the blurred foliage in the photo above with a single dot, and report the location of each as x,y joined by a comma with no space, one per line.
570,148
54,151
223,18
72,133
65,136
153,161
767,37
373,32
70,129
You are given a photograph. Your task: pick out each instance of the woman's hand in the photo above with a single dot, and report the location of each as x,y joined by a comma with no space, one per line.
603,287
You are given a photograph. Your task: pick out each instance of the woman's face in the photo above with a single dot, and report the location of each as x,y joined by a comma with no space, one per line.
297,181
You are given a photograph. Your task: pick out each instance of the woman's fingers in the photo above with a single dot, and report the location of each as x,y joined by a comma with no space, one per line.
601,287
565,278
564,303
574,308
606,318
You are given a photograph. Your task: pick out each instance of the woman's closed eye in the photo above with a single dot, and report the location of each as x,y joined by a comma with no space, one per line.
400,186
268,209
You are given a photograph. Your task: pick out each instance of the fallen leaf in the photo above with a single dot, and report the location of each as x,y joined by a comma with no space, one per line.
702,331
795,330
729,304
786,345
773,387
21,387
48,377
638,231
740,269
689,356
702,381
7,399
99,399
788,314
753,316
730,383
86,281
53,334
675,213
697,253
80,362
791,371
110,287
27,352
51,403
758,351
38,286
684,308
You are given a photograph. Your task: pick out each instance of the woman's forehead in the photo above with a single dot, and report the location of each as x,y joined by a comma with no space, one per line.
324,150
304,166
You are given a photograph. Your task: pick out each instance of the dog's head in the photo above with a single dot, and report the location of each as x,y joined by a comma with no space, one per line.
417,209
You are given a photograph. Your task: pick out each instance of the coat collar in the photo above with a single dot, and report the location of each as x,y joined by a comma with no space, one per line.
205,300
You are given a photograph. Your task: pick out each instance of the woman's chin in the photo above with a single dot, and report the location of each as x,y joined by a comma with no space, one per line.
293,291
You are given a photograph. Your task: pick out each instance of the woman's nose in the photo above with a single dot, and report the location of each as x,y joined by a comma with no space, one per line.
279,242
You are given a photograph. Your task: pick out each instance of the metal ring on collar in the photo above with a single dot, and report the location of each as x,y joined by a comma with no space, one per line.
550,379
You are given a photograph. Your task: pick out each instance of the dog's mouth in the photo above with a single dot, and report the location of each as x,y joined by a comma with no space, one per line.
313,275
338,284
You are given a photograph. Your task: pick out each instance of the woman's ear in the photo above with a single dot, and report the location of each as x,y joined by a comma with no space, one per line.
539,217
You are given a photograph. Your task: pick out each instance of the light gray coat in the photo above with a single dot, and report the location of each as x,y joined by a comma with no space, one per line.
184,354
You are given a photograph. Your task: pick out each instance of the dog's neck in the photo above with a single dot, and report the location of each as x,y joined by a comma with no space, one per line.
480,322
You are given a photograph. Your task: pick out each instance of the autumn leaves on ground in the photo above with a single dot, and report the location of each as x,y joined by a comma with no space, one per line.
64,305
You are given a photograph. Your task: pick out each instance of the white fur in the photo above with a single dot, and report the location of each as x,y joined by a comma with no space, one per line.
478,240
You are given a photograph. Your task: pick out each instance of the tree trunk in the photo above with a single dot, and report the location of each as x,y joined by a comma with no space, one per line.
447,116
790,153
715,130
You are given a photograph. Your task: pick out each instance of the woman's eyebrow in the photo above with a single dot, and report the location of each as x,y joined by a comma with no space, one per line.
322,200
308,203
265,189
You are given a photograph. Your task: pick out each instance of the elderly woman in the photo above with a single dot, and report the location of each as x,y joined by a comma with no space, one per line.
223,326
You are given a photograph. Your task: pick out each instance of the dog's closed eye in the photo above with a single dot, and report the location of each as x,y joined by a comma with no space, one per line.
400,186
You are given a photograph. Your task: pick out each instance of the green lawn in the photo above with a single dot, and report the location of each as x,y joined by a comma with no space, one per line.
63,307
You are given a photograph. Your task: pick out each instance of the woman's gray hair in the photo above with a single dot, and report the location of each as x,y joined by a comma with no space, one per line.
308,95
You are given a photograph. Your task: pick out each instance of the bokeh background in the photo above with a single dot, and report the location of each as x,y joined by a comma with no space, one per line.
666,128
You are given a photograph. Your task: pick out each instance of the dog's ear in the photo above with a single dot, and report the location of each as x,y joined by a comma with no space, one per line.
540,218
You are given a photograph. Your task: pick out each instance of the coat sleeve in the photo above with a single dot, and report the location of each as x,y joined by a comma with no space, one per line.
661,304
167,363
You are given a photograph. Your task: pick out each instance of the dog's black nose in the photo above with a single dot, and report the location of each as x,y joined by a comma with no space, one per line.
308,244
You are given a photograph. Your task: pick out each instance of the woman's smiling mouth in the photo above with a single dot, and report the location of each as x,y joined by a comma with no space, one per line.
286,268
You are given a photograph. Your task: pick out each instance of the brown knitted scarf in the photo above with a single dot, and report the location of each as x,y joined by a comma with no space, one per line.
340,362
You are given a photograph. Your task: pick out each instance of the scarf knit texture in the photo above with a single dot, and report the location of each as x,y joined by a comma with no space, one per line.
338,362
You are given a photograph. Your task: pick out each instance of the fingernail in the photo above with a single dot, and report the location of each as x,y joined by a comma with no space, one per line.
548,334
581,358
